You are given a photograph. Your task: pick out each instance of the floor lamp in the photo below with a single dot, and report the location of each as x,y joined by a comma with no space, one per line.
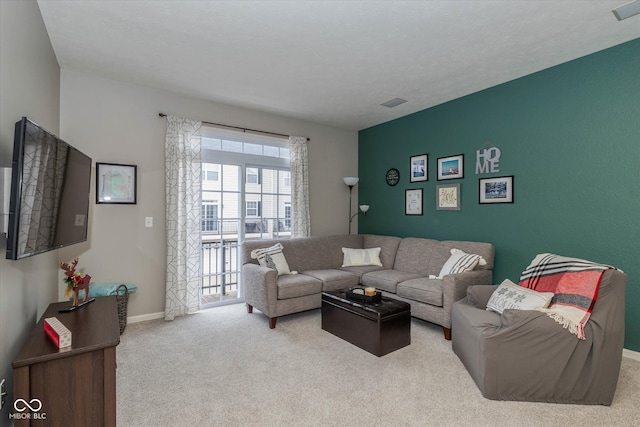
351,182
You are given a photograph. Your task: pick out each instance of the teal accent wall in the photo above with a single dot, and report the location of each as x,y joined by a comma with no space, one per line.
570,135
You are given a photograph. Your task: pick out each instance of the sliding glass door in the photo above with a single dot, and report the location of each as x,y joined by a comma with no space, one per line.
246,194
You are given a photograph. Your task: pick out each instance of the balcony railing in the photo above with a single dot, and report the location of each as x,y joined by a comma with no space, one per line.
220,263
220,273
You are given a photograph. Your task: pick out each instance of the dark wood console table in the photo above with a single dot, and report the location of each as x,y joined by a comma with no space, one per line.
76,386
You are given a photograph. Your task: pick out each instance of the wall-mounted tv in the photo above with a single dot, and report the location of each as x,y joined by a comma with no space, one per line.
50,184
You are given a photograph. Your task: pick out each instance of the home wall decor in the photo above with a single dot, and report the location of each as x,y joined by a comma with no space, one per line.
488,159
451,167
392,177
496,190
418,168
413,202
116,183
448,197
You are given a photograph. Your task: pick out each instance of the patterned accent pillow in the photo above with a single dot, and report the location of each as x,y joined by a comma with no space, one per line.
511,296
360,257
459,262
272,257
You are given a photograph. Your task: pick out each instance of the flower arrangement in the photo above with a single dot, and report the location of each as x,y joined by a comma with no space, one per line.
75,281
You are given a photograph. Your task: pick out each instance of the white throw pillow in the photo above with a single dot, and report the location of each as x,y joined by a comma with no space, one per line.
360,257
459,262
272,257
511,296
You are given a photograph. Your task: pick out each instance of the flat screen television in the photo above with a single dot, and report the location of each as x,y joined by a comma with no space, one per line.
50,184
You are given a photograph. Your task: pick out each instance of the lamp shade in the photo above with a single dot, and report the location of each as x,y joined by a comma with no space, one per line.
364,208
351,180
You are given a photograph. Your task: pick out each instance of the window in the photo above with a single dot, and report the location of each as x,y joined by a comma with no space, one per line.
287,215
246,194
253,176
253,208
209,215
210,172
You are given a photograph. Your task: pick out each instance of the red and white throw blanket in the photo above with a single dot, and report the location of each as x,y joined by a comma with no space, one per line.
575,283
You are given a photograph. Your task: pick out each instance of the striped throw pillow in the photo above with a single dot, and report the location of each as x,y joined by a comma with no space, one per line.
459,262
272,257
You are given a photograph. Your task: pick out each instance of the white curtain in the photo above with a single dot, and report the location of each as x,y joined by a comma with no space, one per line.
183,191
301,219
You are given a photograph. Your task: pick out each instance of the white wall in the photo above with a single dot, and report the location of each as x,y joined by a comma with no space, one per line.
30,86
117,122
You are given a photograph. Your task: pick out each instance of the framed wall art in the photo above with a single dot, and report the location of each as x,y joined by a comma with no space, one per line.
496,190
418,167
451,167
392,177
448,197
116,183
413,202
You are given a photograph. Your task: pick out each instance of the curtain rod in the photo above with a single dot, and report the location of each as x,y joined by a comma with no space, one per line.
240,128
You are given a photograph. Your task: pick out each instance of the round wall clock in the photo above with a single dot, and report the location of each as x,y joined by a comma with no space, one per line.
393,176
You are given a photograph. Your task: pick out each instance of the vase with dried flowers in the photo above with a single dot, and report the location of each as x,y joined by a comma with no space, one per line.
75,281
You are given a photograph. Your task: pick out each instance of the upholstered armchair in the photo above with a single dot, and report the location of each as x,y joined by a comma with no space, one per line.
526,355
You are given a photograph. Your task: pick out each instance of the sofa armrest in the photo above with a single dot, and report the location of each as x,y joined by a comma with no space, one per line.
455,285
454,288
479,295
260,289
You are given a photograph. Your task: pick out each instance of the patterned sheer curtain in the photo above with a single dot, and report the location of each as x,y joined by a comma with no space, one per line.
43,178
183,185
301,219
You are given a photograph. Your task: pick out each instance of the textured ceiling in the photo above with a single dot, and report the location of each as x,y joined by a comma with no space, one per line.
330,62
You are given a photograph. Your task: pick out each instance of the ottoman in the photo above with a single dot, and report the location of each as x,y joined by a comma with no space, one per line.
379,328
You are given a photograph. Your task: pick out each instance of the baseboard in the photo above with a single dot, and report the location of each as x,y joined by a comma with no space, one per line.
145,317
630,354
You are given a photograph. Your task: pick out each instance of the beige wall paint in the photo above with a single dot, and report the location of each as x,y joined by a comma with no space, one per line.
118,122
30,86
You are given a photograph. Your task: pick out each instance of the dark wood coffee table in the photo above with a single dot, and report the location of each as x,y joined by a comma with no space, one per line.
378,328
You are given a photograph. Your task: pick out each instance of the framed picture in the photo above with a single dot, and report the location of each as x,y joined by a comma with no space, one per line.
116,183
392,177
451,167
496,190
448,197
418,167
413,202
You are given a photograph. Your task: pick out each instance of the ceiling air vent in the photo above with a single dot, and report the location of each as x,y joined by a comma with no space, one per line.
394,102
627,10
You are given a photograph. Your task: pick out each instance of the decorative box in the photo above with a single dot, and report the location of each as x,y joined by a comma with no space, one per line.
364,298
58,333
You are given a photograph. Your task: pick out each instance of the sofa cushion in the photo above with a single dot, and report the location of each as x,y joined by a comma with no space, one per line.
333,279
511,296
297,285
414,254
361,257
388,248
272,257
459,262
387,280
422,289
320,252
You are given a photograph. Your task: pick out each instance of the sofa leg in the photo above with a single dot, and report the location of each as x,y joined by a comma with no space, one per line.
249,308
272,322
447,333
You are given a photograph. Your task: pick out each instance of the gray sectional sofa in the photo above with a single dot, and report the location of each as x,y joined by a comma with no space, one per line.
407,264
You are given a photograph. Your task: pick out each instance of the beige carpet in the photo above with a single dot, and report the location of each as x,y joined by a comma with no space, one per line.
224,367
